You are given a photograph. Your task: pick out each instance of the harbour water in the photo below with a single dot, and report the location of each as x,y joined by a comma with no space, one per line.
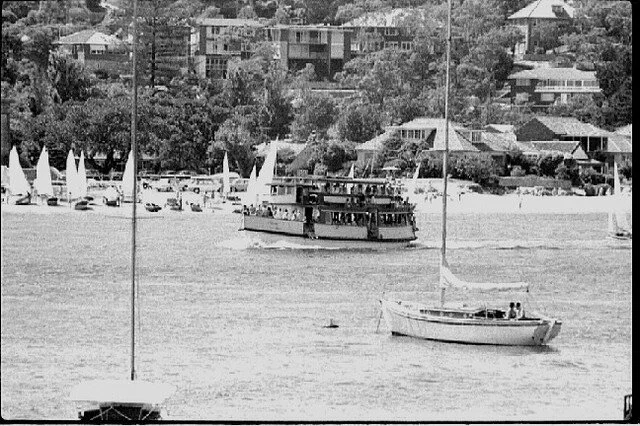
238,328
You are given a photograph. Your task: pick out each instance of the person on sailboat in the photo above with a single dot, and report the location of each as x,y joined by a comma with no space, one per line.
519,310
512,313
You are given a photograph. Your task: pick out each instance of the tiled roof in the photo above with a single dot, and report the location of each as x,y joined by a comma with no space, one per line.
624,130
556,146
619,143
457,142
498,142
541,9
376,143
262,149
555,74
223,22
387,18
502,128
89,37
570,126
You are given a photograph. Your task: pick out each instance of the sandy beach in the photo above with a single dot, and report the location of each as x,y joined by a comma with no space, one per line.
458,203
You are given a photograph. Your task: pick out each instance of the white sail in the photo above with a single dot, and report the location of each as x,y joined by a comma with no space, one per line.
127,177
226,183
448,279
413,184
252,189
18,183
71,177
43,184
265,177
82,177
620,216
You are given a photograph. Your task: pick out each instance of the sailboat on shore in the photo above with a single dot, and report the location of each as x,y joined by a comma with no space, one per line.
19,188
118,401
619,227
42,185
461,323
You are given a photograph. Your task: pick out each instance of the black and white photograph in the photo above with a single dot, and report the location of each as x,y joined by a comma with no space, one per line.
304,211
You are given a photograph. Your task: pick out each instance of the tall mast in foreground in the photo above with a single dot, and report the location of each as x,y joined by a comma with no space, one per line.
445,155
134,122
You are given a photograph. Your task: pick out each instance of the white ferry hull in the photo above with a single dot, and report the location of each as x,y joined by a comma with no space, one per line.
271,239
410,321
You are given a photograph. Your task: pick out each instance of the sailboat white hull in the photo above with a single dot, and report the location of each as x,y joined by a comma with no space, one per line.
461,326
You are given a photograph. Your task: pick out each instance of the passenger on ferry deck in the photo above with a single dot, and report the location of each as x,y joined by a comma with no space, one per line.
285,215
269,212
519,310
511,313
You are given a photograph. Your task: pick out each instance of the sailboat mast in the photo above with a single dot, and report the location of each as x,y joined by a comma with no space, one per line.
134,122
445,155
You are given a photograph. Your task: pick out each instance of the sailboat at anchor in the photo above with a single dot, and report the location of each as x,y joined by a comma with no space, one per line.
462,323
619,227
118,401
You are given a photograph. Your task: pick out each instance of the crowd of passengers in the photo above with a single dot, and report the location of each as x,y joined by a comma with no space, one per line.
366,190
334,218
274,212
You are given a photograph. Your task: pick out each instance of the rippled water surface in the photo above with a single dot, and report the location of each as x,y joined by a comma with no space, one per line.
238,327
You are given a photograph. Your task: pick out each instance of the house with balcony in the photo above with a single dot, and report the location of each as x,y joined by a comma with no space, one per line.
531,17
326,48
221,40
544,87
382,30
590,145
96,51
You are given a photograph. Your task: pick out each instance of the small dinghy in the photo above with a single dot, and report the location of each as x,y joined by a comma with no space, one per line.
52,201
331,324
196,208
152,207
82,205
174,204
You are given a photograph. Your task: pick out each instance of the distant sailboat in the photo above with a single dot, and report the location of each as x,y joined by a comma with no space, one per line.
251,196
71,177
42,184
619,227
267,173
118,401
19,188
226,181
460,323
82,177
128,180
413,185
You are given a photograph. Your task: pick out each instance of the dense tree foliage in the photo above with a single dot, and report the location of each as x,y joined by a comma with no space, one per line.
58,103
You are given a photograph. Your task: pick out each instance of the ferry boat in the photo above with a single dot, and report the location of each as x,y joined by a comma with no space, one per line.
332,212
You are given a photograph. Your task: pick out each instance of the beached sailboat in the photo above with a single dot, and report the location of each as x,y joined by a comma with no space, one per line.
462,323
19,188
128,181
118,401
81,186
619,227
226,181
42,184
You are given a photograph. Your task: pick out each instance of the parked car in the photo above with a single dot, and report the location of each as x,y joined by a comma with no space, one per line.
163,185
199,184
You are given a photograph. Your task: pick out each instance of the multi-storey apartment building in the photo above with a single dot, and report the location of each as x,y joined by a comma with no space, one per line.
326,48
222,40
546,86
379,30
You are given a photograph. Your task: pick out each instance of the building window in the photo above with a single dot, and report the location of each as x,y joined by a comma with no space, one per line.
391,45
476,136
522,81
390,31
547,97
406,45
216,68
298,37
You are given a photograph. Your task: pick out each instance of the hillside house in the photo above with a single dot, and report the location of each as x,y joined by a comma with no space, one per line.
97,51
532,16
547,86
566,134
